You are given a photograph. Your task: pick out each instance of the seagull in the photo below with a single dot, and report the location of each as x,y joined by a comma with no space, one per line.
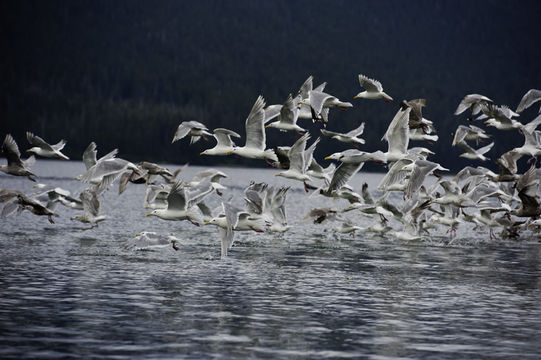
472,102
419,170
42,148
91,208
474,154
212,175
147,240
349,137
90,155
305,111
192,128
16,166
224,144
255,135
397,137
374,90
531,97
287,119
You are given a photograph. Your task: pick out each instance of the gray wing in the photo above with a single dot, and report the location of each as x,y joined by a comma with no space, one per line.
89,156
183,129
317,99
176,200
309,154
306,87
199,192
472,101
394,176
289,112
342,174
397,134
60,145
272,111
296,154
356,132
370,85
11,151
532,96
223,137
460,134
329,133
418,175
255,129
91,204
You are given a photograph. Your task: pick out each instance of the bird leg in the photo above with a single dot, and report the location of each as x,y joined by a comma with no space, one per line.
383,218
50,217
492,236
193,222
387,101
305,186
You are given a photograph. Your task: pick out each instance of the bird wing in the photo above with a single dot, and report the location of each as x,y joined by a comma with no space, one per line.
357,131
460,134
296,154
89,156
182,130
329,133
289,113
306,87
309,154
255,129
397,134
11,151
532,96
342,174
176,200
370,85
91,204
317,99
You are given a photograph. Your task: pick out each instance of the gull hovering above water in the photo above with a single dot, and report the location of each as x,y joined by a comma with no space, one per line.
224,144
192,128
374,90
42,148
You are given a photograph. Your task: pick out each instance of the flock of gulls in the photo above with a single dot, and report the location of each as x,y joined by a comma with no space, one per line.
507,201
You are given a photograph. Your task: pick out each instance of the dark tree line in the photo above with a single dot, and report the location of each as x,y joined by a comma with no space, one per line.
126,73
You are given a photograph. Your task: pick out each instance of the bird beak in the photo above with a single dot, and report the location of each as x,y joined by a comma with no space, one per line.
355,97
138,234
201,153
206,223
28,150
266,126
76,178
400,170
149,214
327,158
229,152
276,174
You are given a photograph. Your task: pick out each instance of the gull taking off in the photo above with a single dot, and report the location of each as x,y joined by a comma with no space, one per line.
374,90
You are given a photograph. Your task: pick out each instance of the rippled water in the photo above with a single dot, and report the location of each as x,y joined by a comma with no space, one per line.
308,293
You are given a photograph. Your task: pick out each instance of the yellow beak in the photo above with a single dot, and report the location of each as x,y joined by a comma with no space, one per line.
149,214
327,158
206,223
229,152
138,234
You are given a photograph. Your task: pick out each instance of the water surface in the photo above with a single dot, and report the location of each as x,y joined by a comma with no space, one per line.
308,293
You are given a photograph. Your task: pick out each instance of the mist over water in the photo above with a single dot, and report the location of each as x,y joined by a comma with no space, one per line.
308,293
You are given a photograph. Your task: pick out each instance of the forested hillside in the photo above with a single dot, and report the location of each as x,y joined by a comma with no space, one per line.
126,73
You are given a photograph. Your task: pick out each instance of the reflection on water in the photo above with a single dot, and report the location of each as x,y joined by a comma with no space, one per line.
308,293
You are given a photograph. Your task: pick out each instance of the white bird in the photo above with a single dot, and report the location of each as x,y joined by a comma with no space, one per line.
397,136
287,119
374,90
255,135
17,201
349,137
531,97
44,149
16,166
299,161
474,154
500,117
224,144
181,205
192,128
148,240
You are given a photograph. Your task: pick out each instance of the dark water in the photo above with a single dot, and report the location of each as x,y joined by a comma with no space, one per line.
308,293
